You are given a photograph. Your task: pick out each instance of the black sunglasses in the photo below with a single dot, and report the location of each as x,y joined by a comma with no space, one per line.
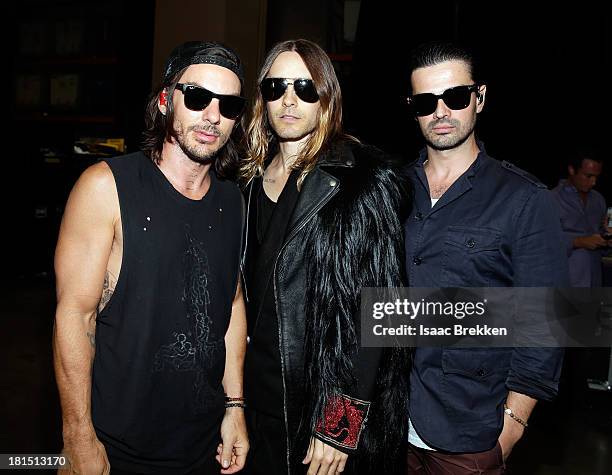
273,89
197,99
456,98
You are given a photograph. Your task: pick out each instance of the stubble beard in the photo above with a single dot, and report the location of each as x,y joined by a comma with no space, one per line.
286,132
448,141
196,151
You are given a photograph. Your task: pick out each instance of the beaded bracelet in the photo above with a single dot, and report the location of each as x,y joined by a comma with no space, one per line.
508,411
235,404
231,399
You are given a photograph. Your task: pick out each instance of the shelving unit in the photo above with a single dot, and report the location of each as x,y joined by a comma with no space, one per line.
79,69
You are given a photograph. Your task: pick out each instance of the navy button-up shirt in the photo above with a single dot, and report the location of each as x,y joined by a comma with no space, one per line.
495,226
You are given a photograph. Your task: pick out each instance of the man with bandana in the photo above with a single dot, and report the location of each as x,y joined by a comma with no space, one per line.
150,328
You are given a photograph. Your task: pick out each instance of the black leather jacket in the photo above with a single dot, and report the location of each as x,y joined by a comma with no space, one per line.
350,207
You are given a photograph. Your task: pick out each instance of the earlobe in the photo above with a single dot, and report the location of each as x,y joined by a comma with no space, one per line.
162,101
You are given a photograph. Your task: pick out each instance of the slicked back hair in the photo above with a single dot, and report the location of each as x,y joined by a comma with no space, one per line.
436,52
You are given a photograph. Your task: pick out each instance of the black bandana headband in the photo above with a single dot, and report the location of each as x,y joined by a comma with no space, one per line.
201,52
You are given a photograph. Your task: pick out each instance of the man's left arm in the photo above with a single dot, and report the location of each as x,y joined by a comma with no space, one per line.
330,448
538,261
521,406
328,453
232,452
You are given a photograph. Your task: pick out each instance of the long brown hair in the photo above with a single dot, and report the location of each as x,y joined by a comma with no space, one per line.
259,135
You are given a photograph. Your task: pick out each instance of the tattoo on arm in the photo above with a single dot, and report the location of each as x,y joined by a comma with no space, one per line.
92,339
107,290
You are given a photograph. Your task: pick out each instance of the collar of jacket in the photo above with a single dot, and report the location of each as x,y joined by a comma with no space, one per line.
320,185
340,154
318,188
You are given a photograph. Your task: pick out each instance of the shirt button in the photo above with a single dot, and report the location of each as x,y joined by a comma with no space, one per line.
418,216
480,372
417,261
471,243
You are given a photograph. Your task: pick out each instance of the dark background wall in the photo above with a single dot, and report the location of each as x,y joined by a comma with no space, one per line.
77,69
546,65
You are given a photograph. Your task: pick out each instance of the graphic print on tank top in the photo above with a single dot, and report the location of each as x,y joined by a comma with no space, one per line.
195,349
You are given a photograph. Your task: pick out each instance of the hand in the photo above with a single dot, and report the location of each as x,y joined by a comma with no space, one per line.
232,452
591,243
510,435
85,455
324,459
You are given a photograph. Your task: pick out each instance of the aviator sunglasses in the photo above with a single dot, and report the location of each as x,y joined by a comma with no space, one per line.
273,89
455,98
197,99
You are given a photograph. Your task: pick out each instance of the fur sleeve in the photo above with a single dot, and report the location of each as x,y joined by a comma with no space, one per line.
355,241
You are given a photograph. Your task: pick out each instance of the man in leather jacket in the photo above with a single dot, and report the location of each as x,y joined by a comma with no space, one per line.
323,221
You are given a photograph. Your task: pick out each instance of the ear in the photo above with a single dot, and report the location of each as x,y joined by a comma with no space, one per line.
162,101
480,97
570,170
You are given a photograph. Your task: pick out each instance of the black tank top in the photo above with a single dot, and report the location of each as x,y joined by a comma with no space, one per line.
157,398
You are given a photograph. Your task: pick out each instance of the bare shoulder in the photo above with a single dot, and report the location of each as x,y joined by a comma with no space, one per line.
86,237
95,191
98,177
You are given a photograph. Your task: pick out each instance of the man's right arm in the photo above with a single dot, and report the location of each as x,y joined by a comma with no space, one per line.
81,259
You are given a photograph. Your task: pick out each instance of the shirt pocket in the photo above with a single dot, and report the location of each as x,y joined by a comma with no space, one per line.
470,256
474,378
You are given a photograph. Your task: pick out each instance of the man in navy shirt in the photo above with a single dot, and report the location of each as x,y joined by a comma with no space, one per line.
476,222
583,218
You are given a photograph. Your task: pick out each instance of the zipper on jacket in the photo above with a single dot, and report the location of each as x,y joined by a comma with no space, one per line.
246,243
280,337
